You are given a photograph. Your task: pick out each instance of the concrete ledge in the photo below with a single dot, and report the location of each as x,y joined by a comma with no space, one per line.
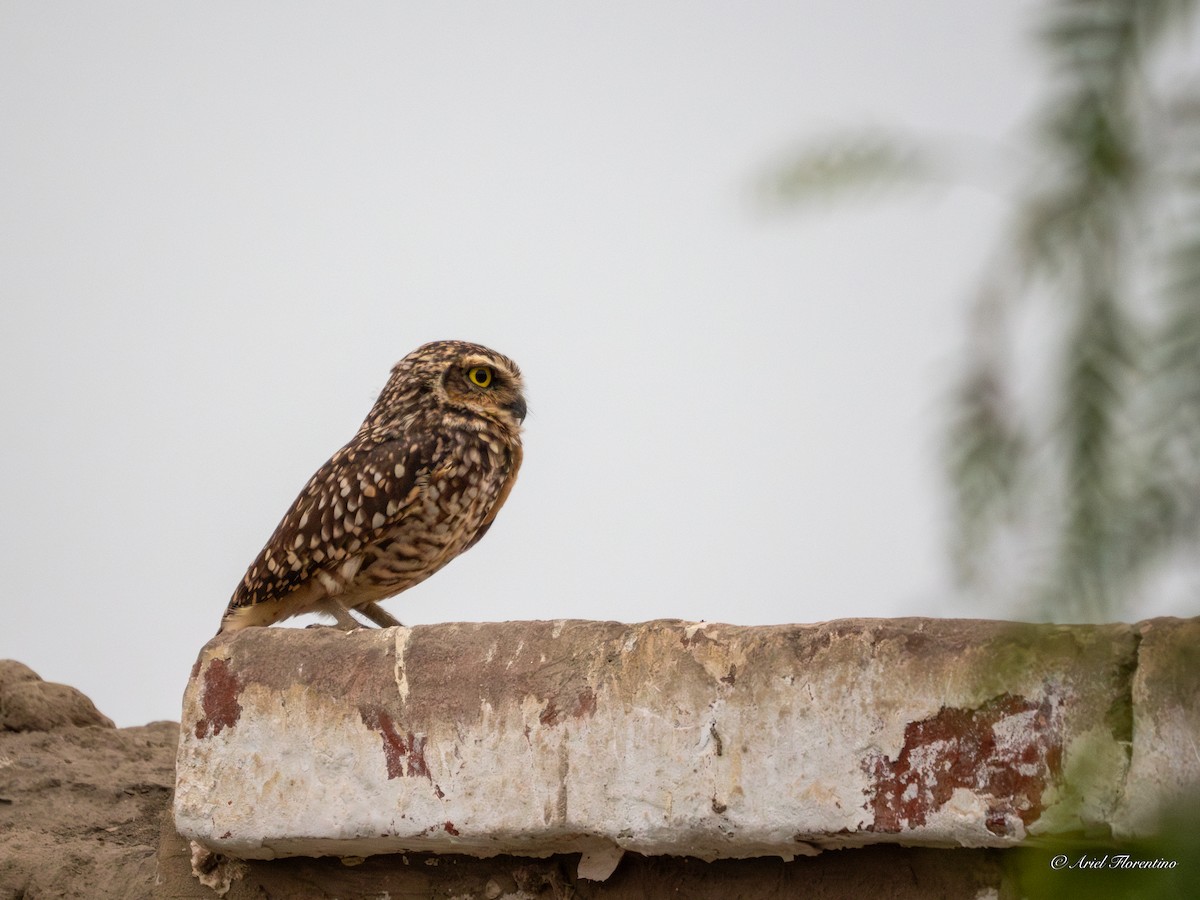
536,738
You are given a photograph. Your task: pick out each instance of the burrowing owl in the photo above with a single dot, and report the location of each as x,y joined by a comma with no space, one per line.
418,484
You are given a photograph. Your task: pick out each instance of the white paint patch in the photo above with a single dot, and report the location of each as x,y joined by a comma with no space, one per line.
403,636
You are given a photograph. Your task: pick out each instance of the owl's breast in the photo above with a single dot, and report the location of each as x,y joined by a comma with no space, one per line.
456,502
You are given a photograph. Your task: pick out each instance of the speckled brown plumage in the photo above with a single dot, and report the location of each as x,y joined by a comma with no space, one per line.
419,483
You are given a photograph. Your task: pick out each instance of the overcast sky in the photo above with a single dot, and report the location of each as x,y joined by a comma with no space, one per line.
222,223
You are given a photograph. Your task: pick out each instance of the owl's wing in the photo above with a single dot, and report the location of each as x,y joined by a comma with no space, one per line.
363,490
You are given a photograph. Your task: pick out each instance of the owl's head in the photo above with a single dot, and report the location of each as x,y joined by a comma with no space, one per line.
469,381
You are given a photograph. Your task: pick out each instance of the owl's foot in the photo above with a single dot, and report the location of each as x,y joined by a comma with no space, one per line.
342,618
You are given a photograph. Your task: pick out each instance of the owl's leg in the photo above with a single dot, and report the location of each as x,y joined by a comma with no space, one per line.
331,606
378,615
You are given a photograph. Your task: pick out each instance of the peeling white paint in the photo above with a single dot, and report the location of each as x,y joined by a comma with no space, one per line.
403,635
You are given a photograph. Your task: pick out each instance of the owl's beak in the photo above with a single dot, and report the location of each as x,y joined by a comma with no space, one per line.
518,409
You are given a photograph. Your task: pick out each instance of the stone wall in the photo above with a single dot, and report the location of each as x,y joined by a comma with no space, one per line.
642,750
1029,761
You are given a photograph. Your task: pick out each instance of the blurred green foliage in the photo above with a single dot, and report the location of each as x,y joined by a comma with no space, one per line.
1163,867
1094,478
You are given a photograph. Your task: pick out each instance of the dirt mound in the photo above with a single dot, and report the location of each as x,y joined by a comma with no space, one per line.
81,802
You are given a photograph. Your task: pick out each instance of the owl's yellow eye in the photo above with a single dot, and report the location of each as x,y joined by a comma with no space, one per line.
480,376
